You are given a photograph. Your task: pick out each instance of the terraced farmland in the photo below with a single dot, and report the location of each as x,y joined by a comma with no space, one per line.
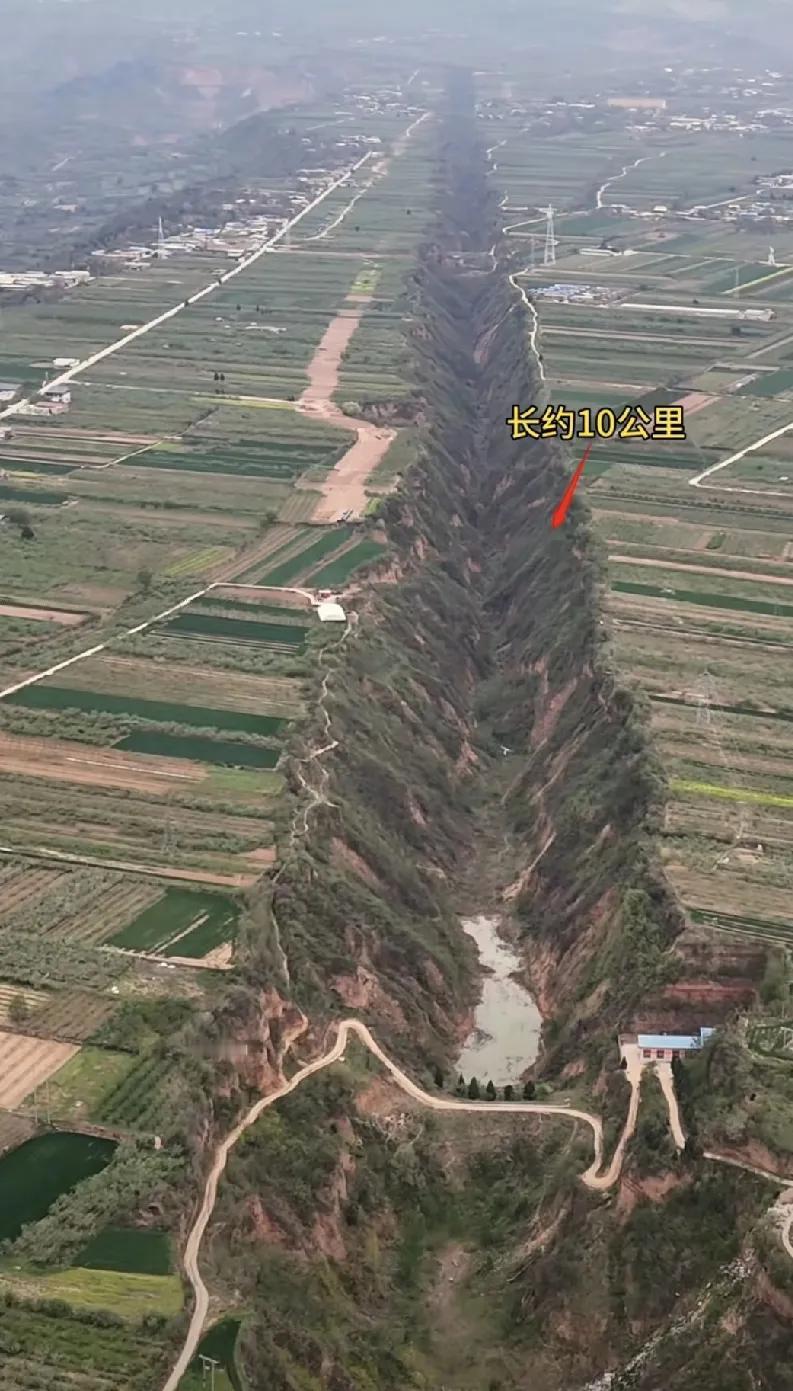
71,1353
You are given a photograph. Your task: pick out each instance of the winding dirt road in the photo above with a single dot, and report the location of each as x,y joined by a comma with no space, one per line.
348,1028
344,490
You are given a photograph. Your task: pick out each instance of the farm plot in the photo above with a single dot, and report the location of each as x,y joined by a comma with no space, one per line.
274,444
14,1130
241,502
77,1089
81,903
71,1354
27,1062
243,630
376,365
200,748
114,674
219,1344
23,883
129,1295
127,832
339,570
259,332
71,545
139,1250
142,1099
80,764
17,1004
182,923
46,697
48,963
38,1172
295,564
55,617
71,1015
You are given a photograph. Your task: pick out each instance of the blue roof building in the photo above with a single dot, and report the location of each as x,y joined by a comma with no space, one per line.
661,1045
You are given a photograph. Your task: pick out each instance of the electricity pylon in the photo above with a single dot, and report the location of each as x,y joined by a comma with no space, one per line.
549,255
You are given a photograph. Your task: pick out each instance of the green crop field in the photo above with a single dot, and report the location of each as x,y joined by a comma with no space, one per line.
38,1172
241,629
732,794
77,1089
288,570
200,748
43,697
128,1294
340,569
709,600
70,1352
181,918
141,1250
140,1100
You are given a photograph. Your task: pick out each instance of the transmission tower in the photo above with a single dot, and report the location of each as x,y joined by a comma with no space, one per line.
771,256
160,239
549,255
705,696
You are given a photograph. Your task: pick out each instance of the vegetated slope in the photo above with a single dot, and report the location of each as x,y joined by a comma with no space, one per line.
588,788
488,640
347,1215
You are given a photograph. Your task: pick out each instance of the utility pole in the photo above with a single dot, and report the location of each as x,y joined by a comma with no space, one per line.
208,1364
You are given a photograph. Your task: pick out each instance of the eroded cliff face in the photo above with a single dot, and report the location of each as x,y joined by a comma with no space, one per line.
473,692
476,744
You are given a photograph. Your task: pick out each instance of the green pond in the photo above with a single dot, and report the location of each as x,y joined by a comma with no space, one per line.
35,1174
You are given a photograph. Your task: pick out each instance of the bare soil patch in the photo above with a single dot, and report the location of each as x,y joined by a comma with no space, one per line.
695,401
27,1062
345,488
88,765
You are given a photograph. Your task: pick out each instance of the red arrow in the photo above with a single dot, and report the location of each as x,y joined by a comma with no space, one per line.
562,510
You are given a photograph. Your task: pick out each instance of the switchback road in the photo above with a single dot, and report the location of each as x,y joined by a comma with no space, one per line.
353,1028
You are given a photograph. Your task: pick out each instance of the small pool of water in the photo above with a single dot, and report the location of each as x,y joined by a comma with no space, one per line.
505,1038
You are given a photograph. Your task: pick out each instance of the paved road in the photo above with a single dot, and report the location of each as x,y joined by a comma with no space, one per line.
141,628
699,479
209,289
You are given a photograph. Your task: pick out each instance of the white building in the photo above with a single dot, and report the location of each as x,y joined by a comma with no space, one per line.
331,612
